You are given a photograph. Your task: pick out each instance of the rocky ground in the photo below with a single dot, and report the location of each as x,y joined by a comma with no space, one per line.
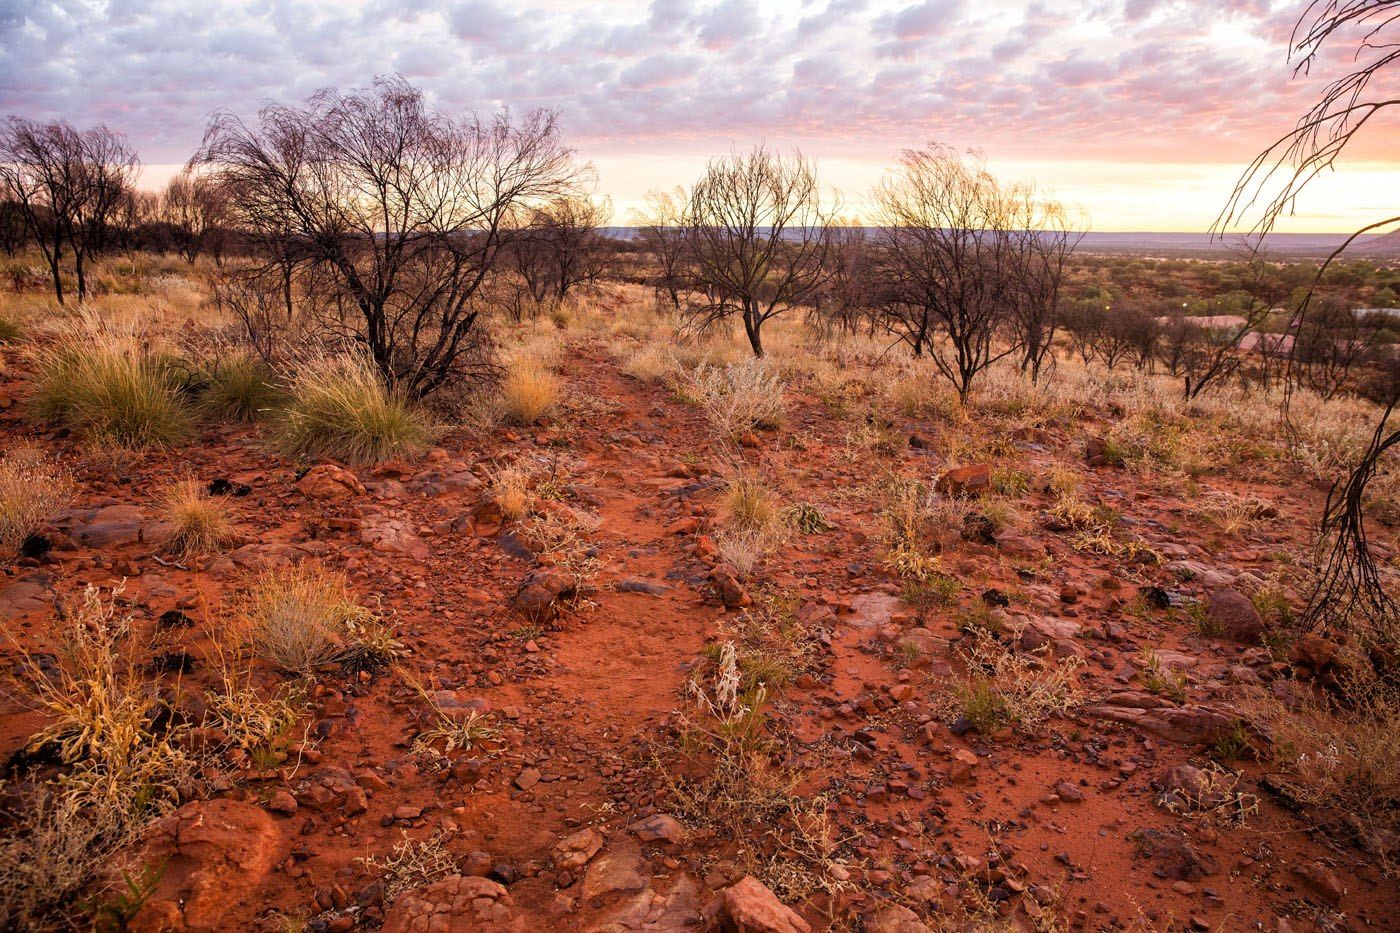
578,809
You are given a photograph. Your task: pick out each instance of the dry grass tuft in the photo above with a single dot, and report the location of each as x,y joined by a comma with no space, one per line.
30,491
749,505
340,408
1005,688
241,388
198,523
303,618
1343,763
510,487
529,392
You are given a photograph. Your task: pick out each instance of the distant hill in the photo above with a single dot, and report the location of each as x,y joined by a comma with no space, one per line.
1386,245
1203,245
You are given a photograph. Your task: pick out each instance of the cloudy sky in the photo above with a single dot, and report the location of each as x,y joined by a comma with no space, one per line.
1140,111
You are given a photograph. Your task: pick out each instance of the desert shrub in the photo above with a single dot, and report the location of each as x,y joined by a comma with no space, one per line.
411,864
114,390
807,518
121,769
739,397
241,388
1003,687
529,391
303,618
30,491
340,408
198,523
748,504
1344,762
54,852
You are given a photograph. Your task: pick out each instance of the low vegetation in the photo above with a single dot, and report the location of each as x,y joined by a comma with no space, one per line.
339,408
31,491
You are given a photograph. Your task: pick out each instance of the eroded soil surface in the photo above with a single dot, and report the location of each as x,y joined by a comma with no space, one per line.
565,817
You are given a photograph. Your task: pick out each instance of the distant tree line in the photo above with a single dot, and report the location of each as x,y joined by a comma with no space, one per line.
367,218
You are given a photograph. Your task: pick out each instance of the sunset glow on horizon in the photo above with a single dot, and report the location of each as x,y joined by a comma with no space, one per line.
1142,113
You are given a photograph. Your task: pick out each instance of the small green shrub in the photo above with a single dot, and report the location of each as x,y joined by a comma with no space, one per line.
113,391
242,388
341,409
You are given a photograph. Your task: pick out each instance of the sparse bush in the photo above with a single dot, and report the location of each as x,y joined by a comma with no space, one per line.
340,408
30,492
739,397
1344,763
743,550
303,618
241,388
530,390
411,864
1003,687
198,523
54,852
121,768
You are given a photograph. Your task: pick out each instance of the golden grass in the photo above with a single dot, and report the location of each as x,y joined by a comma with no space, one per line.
31,490
747,504
198,523
529,391
240,388
302,618
340,408
113,387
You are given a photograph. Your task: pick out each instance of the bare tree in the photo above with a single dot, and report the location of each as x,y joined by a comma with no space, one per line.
756,238
1329,343
662,232
14,231
850,293
1214,357
193,210
947,229
391,213
69,186
1350,583
1045,239
562,247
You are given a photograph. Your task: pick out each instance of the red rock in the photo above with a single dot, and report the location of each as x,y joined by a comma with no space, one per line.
965,481
1235,616
456,903
960,771
213,853
1321,881
748,906
541,593
574,852
328,482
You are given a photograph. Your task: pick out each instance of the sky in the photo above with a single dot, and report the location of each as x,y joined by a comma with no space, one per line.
1140,112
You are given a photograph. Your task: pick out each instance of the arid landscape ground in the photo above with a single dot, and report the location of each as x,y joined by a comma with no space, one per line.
654,635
